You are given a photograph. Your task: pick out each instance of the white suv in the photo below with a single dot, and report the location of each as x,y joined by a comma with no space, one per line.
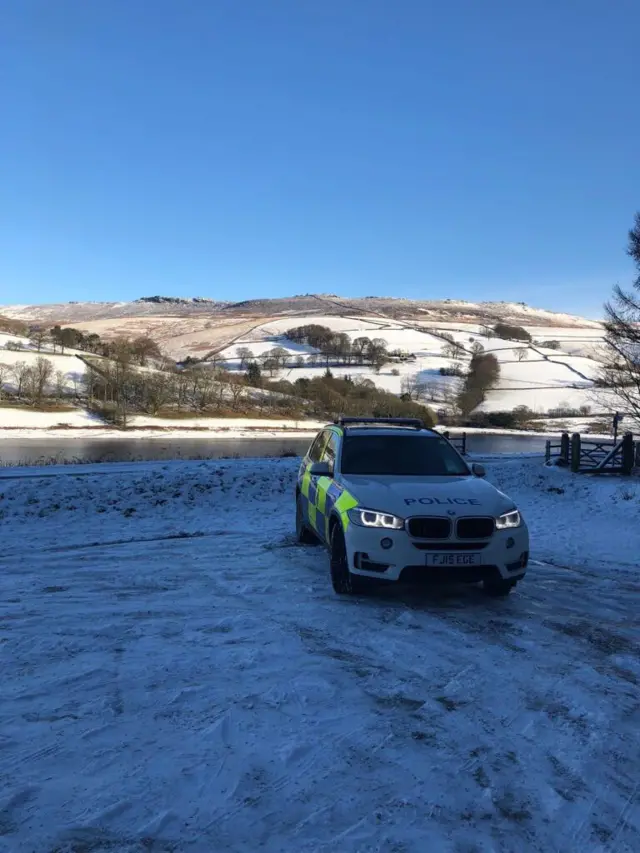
394,501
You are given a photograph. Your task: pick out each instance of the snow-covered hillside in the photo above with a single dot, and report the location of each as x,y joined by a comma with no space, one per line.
69,365
537,376
542,378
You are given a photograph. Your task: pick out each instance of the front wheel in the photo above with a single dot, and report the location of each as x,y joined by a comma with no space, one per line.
342,580
498,589
303,534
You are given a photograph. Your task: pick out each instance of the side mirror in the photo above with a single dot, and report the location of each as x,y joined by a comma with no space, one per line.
478,470
320,469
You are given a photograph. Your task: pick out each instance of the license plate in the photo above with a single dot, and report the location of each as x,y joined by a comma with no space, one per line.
453,559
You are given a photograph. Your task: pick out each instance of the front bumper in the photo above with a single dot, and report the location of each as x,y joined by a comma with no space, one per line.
504,556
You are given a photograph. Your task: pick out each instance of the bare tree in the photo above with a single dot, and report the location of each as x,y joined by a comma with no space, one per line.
360,347
271,364
158,390
245,355
60,383
14,346
412,387
364,382
433,389
377,353
451,391
522,354
20,372
235,388
122,378
145,348
5,372
281,355
38,336
453,350
477,348
181,381
37,379
205,390
621,373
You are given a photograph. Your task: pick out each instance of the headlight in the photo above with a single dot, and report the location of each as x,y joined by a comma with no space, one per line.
509,520
371,518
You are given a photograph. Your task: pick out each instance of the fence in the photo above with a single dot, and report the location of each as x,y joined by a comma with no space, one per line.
588,456
458,441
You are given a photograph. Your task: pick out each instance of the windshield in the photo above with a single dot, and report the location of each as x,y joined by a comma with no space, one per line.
401,455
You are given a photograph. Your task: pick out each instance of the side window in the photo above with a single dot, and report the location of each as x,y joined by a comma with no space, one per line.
330,450
315,451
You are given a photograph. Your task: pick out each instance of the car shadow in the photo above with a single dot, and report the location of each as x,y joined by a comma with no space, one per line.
436,596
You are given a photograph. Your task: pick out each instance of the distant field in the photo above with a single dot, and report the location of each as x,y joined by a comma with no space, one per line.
546,378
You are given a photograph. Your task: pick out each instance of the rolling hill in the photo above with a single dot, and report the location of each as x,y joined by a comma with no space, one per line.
543,378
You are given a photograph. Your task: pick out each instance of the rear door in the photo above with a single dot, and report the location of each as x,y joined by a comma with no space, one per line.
325,489
314,454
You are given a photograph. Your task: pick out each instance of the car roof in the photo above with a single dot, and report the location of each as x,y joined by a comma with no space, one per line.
383,430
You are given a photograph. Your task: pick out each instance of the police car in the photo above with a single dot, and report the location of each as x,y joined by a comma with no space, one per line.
395,501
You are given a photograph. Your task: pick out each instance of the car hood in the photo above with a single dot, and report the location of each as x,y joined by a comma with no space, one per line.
407,496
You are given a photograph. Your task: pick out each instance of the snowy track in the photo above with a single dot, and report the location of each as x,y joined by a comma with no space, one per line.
179,678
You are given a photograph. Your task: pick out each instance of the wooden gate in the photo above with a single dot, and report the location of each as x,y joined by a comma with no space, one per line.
591,456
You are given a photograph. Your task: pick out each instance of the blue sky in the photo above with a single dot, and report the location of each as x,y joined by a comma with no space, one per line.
478,149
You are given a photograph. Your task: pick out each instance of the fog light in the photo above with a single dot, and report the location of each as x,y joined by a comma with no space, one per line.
511,542
386,543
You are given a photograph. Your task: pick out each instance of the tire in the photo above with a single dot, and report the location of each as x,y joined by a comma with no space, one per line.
342,580
498,589
303,534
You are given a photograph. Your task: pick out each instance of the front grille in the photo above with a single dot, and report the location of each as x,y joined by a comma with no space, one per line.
429,527
475,528
450,546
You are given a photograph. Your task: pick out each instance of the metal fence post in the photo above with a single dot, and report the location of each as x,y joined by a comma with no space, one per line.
575,452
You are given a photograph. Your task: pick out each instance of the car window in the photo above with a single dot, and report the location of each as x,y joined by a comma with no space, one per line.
401,455
315,451
329,455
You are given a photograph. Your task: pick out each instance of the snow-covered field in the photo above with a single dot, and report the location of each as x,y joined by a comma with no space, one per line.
545,379
24,423
177,676
26,419
68,364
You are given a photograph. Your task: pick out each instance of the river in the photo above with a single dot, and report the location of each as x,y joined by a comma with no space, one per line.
68,450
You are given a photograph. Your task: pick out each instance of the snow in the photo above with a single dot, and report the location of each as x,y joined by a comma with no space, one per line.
178,676
12,417
72,368
237,426
358,325
543,398
26,423
546,379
